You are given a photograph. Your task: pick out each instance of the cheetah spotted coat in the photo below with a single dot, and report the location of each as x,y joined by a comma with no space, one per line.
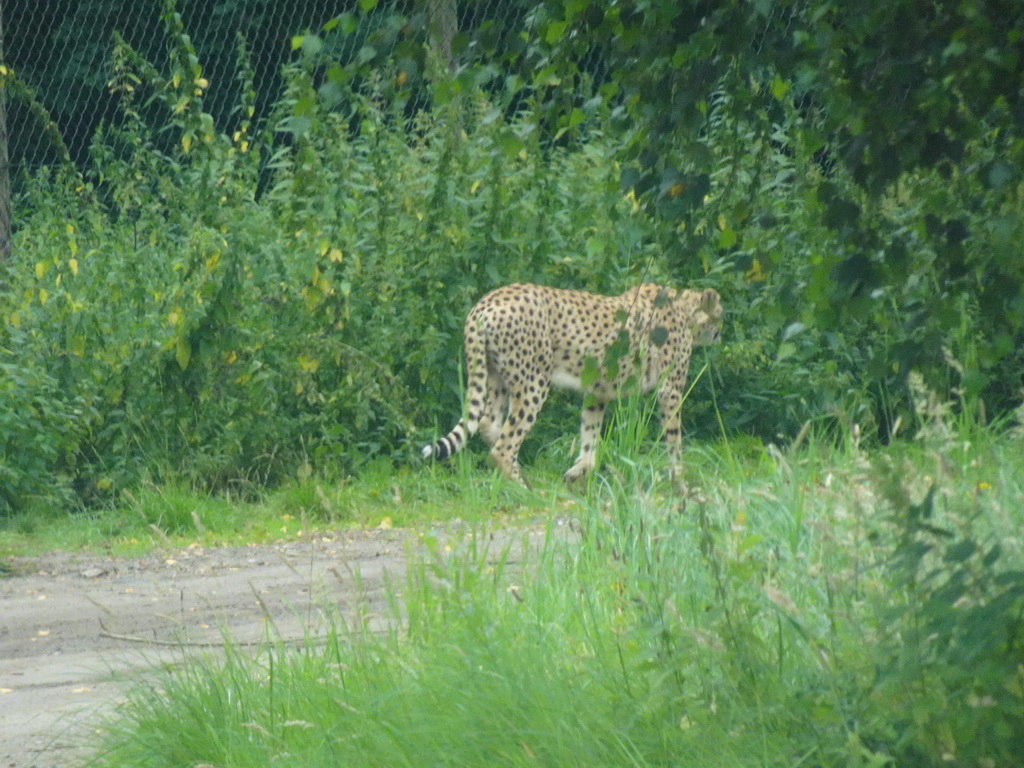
522,339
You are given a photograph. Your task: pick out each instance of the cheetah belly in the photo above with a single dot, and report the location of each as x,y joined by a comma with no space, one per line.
565,380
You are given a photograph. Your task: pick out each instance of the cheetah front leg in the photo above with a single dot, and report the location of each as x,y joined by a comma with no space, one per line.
670,400
590,429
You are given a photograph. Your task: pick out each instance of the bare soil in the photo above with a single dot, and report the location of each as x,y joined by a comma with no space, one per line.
74,627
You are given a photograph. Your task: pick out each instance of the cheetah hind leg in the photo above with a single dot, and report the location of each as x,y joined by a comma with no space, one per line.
495,409
522,412
509,468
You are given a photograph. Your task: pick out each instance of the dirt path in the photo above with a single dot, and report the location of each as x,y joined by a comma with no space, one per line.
72,625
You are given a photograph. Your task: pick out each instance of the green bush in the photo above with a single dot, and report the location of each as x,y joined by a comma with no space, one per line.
223,306
222,309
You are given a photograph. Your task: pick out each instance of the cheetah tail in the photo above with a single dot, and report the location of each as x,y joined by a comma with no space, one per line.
451,443
476,359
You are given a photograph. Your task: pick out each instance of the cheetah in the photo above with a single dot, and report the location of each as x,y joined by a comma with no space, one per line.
523,339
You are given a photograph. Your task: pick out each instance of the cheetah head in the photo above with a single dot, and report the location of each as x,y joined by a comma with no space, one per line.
707,320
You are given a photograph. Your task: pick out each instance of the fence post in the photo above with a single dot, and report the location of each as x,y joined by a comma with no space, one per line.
5,166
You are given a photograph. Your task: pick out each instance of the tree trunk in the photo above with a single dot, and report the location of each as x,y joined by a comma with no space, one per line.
443,23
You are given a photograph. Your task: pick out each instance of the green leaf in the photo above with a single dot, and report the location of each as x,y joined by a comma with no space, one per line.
595,246
961,551
780,88
298,125
786,349
312,45
590,372
367,5
1000,173
555,32
509,143
348,23
615,352
792,330
331,94
366,53
547,76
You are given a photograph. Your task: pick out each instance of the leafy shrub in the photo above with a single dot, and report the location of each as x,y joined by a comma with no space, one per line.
224,305
224,308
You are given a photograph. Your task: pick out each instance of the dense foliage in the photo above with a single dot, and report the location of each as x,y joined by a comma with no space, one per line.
229,301
900,211
167,316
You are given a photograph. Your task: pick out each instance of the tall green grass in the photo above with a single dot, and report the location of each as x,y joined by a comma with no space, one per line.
812,605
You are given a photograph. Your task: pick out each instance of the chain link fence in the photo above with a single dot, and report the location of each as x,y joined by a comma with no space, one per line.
57,54
56,59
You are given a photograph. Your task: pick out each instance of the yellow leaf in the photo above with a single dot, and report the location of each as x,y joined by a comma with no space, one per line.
755,274
316,275
70,229
104,483
182,352
324,245
43,295
40,269
176,79
475,187
308,364
14,320
386,524
213,261
780,88
231,357
335,255
299,389
186,143
73,265
173,318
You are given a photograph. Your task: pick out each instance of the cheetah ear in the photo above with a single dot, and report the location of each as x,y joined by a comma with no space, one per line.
709,299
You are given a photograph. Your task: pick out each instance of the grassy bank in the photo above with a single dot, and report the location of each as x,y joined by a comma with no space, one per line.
810,606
